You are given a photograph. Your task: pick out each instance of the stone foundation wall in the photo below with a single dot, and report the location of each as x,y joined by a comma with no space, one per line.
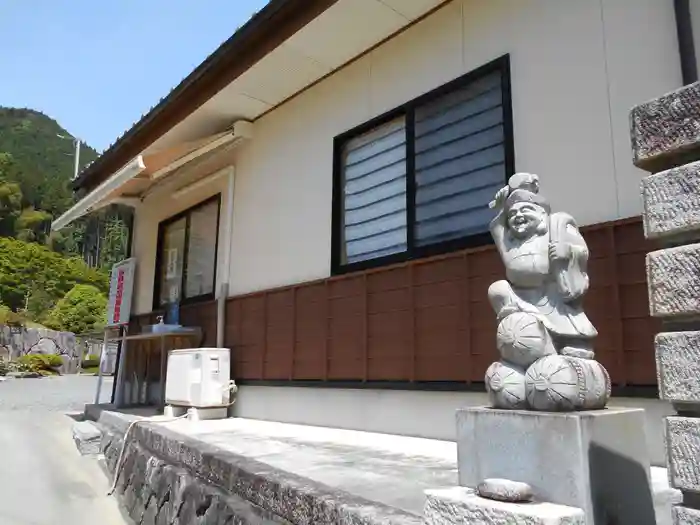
154,492
15,342
169,478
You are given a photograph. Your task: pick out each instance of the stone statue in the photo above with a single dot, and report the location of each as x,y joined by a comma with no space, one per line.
544,337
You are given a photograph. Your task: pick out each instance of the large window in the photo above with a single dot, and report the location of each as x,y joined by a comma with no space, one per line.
418,181
187,250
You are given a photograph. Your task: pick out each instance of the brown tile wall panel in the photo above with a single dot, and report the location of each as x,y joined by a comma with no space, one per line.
430,320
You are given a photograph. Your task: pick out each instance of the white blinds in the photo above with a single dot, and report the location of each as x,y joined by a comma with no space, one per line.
460,161
375,192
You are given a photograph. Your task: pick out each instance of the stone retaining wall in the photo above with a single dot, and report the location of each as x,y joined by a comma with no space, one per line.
154,492
170,478
15,342
666,142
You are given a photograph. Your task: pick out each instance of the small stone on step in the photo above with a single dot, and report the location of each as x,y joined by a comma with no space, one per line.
505,490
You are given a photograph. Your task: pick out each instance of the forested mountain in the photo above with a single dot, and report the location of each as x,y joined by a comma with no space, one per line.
36,167
43,161
39,269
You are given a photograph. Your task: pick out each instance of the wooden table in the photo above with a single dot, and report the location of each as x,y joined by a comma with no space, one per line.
142,382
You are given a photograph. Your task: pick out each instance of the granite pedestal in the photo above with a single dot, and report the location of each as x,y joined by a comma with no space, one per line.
596,460
461,505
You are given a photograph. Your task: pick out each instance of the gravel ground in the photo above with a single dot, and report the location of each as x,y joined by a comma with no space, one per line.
63,394
43,478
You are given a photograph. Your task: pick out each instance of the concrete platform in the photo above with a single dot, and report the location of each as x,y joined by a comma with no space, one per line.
374,474
392,470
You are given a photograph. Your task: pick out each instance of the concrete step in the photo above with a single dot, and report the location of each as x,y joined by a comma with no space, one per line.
87,436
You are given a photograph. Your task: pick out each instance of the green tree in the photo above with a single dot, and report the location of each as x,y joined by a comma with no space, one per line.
10,207
43,160
32,225
10,318
82,310
27,265
39,303
36,168
114,241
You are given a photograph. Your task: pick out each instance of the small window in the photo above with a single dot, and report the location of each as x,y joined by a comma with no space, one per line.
187,254
419,182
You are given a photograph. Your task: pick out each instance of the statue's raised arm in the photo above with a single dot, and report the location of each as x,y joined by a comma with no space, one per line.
498,224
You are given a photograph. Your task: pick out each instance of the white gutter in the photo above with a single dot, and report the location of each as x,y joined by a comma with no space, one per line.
226,270
93,199
209,146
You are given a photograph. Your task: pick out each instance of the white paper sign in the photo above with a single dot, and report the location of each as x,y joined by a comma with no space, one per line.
121,289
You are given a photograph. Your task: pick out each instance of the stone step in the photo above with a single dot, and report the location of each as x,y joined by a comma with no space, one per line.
87,436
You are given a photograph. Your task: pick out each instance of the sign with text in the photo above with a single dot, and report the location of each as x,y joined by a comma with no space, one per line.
121,289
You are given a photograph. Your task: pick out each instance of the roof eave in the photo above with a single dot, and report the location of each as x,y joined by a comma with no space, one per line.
265,30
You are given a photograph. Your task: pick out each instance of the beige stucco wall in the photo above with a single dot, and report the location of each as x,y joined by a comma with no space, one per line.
577,69
404,412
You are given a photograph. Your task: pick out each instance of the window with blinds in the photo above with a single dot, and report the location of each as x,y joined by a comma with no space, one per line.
187,254
374,172
422,179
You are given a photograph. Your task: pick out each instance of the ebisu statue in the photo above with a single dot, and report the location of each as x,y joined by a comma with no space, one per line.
544,337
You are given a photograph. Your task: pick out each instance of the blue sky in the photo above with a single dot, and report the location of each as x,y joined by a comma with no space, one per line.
97,66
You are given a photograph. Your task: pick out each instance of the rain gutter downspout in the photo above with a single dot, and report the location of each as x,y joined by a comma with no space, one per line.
224,289
686,41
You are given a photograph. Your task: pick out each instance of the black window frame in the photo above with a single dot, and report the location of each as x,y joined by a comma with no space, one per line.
162,225
407,110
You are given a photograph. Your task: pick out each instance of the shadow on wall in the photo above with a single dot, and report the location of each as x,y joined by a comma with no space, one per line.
629,503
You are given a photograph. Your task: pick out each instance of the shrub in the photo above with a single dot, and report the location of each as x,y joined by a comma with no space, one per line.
10,318
40,362
53,360
82,310
20,366
26,266
3,367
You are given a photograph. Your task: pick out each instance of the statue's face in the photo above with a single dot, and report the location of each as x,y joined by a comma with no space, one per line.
524,218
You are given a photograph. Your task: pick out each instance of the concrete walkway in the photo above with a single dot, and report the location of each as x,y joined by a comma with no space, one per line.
394,470
43,478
